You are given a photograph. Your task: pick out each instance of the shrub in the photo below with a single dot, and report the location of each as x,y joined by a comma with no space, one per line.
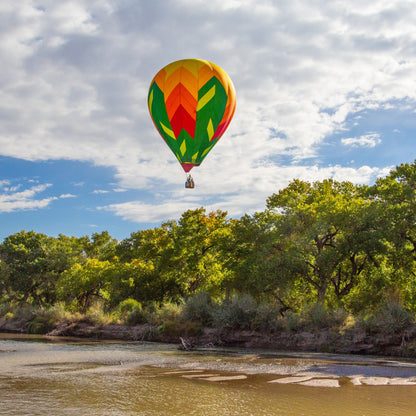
97,316
5,308
315,316
268,318
237,313
25,313
156,314
292,322
41,322
136,316
9,315
63,315
125,307
341,318
169,311
199,308
391,318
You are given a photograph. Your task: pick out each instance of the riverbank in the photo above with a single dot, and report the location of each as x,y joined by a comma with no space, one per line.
351,341
48,374
354,342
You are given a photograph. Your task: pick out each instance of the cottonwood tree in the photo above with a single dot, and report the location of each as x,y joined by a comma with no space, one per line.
328,232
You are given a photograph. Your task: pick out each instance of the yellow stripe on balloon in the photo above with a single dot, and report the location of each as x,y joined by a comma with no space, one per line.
194,157
210,129
206,98
168,131
151,102
183,148
206,151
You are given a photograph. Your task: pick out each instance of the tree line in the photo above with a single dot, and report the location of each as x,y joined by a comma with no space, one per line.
336,243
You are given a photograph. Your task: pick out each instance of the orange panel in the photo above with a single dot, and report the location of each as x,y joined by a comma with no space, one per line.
181,96
172,81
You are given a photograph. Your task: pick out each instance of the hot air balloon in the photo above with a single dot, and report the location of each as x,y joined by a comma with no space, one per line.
191,103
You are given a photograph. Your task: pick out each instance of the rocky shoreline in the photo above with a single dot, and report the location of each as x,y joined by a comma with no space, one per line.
327,341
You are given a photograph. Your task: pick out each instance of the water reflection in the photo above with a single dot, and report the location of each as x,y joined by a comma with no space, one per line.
51,377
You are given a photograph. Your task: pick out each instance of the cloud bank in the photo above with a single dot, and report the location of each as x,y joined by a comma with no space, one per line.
75,88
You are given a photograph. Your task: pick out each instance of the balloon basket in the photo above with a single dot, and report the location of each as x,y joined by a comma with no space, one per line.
189,184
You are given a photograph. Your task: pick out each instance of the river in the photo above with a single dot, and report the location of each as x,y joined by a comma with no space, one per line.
71,377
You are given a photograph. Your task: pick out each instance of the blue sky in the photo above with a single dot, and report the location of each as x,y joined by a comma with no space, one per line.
324,89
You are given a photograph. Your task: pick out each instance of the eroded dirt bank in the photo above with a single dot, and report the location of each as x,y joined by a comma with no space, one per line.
354,342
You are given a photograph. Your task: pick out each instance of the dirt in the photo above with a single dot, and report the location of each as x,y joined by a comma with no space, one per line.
355,342
325,340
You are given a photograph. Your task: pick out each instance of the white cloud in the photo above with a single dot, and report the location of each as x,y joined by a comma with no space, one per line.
64,196
100,191
77,74
233,195
367,140
25,200
141,212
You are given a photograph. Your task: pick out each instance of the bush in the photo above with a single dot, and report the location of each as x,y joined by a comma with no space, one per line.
292,322
156,314
391,318
125,307
238,313
41,322
268,318
97,316
136,316
199,308
315,316
169,312
341,318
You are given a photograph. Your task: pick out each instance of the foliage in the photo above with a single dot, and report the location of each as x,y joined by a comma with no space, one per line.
199,308
318,252
329,233
136,316
293,322
82,282
97,316
391,318
236,313
268,318
128,305
42,321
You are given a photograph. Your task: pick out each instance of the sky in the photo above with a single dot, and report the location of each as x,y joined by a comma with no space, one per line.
325,89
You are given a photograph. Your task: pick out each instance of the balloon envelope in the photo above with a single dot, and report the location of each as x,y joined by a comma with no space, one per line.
191,103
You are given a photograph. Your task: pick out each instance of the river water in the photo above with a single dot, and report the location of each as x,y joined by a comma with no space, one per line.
68,377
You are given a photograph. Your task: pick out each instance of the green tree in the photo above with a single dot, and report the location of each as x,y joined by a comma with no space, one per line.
396,195
176,259
100,246
197,250
84,282
328,234
27,269
152,263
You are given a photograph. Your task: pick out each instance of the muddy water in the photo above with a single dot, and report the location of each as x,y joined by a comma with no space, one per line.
49,376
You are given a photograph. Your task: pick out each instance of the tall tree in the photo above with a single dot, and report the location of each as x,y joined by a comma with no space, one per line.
396,195
26,268
197,244
84,282
331,232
